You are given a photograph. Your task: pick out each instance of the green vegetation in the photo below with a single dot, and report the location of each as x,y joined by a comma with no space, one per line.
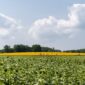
41,70
26,48
35,48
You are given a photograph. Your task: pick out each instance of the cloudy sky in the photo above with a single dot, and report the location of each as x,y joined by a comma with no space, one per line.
55,23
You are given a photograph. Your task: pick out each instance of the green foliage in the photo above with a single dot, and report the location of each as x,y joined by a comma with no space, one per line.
7,48
26,48
41,70
76,51
48,49
21,48
36,48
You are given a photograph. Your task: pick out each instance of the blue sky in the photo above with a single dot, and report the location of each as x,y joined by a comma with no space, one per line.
55,23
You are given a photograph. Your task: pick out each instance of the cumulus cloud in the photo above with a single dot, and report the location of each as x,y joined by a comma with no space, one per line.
8,25
50,28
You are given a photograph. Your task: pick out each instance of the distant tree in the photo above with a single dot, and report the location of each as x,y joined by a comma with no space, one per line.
2,51
22,48
47,49
57,50
76,51
26,48
7,48
18,48
81,50
36,48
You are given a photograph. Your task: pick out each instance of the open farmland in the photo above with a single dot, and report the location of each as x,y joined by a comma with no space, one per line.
42,54
42,70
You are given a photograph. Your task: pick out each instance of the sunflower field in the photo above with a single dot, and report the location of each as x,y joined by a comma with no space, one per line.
42,70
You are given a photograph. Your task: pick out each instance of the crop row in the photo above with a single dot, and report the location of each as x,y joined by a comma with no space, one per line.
42,54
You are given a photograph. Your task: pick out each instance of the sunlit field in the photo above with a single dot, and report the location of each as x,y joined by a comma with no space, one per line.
42,54
42,70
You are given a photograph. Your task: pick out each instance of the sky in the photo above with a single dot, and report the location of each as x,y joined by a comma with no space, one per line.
59,24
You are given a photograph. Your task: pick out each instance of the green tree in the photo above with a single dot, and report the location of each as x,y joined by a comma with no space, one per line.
22,48
36,48
7,48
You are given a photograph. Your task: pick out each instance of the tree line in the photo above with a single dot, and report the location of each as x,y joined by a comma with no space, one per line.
76,51
35,48
26,48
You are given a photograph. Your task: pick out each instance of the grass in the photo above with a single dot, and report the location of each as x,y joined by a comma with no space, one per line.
42,70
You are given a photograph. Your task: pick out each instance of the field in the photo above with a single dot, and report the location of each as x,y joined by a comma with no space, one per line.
42,54
42,70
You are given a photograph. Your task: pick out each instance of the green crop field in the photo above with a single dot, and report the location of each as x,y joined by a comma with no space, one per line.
41,70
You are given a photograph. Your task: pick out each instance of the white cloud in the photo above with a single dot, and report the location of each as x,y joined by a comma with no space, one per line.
3,32
8,25
50,28
8,18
